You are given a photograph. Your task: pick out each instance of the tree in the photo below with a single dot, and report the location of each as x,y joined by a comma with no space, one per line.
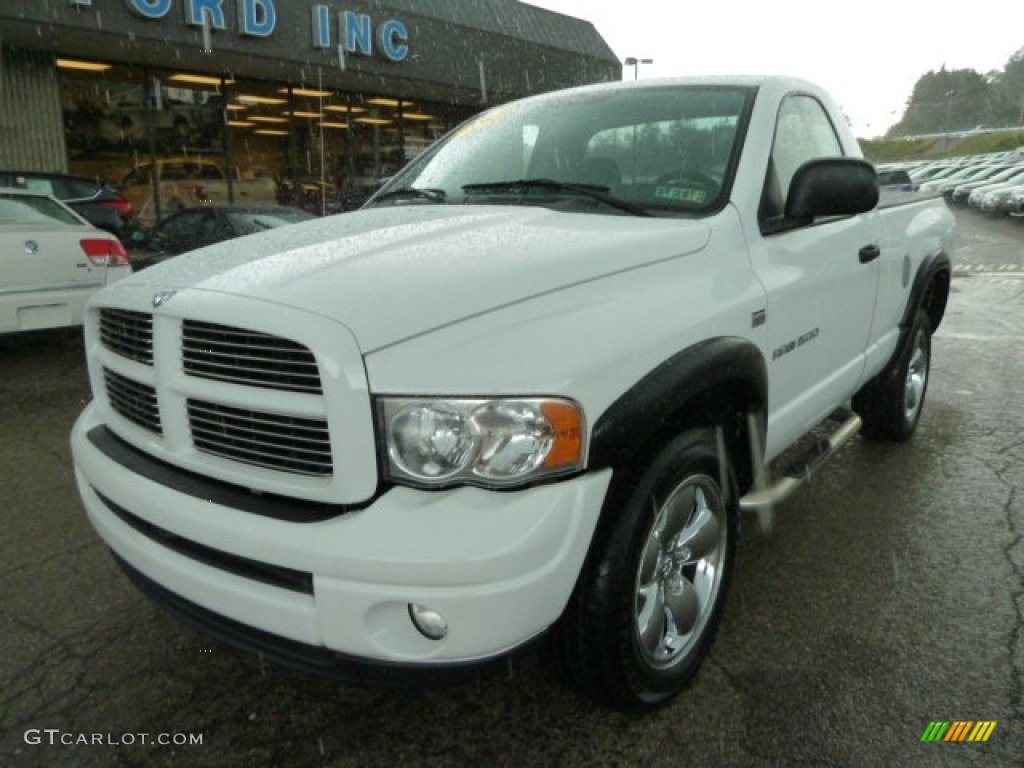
949,100
1008,91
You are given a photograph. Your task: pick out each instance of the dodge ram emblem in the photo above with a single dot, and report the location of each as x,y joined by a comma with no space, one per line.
161,298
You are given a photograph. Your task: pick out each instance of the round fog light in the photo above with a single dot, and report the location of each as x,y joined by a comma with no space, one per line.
429,623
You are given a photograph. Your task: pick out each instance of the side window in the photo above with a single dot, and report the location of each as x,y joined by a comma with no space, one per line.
803,132
219,228
178,231
206,229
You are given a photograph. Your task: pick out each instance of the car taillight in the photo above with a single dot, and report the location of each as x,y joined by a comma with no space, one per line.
122,206
105,252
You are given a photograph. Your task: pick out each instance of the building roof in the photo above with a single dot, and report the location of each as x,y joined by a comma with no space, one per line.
460,51
520,21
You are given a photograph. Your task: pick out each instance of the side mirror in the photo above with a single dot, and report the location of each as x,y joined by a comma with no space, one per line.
833,186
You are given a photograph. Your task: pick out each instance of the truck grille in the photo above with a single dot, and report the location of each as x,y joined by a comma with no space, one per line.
255,359
133,401
285,443
129,334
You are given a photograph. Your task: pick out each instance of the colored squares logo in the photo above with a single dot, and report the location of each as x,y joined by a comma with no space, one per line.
959,730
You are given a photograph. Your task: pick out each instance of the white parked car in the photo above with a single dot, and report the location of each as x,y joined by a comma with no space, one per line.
51,262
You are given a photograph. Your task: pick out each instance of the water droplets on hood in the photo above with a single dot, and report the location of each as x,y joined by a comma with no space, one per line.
390,268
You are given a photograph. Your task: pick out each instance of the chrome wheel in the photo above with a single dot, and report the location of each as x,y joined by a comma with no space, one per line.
650,598
680,571
891,403
917,378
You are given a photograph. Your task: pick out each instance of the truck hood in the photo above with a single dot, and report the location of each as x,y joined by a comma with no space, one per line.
392,273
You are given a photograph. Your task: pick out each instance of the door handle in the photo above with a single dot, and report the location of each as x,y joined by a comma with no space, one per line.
869,253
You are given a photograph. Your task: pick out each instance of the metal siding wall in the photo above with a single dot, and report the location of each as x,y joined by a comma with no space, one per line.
31,121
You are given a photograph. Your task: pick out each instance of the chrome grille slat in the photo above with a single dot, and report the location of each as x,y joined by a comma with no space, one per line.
244,436
299,351
232,365
316,436
123,402
224,350
285,443
128,334
260,457
251,358
133,401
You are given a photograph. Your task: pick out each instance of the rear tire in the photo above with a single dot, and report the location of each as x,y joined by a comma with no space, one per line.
650,597
890,405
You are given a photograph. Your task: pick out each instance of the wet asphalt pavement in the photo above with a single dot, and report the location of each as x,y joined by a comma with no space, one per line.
889,595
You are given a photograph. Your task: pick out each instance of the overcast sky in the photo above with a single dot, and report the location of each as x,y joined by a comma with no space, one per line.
867,53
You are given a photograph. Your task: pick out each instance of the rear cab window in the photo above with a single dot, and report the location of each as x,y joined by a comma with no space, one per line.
28,210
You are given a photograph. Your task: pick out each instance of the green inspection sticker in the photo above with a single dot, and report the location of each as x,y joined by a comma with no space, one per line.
682,194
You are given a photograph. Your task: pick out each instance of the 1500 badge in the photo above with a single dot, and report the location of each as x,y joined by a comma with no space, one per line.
789,346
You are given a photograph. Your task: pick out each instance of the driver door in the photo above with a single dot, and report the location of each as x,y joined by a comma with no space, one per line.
820,293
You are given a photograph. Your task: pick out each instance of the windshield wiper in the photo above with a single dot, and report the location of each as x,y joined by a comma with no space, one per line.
433,195
593,191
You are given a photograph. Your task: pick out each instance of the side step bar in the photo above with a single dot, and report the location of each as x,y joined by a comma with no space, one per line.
762,497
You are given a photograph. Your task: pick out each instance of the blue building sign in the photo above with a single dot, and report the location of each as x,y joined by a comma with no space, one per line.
355,32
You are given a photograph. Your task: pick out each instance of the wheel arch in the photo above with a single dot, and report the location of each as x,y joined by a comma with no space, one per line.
930,290
713,383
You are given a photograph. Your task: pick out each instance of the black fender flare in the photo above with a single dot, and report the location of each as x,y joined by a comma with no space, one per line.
934,270
661,397
933,266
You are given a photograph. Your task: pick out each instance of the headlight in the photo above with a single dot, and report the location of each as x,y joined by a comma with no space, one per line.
497,442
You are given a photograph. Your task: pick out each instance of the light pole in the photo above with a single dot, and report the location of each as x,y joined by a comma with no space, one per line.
949,115
635,63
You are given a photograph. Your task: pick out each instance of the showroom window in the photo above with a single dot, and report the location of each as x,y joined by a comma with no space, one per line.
242,140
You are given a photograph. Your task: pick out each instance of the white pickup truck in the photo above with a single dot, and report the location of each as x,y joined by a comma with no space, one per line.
524,393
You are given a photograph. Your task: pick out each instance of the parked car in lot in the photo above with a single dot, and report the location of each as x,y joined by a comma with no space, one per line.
945,187
961,192
1015,203
992,199
931,171
895,180
97,203
188,182
51,262
195,227
1000,201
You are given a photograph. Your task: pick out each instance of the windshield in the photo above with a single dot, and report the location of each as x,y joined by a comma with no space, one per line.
666,149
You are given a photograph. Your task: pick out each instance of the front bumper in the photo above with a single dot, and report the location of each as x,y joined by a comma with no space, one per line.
498,566
1013,206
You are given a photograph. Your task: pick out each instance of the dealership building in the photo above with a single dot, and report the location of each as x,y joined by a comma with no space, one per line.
331,95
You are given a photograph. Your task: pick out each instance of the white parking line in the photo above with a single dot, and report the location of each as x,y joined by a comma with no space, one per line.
981,269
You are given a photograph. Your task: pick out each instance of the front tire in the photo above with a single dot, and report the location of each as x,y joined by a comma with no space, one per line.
650,597
890,405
